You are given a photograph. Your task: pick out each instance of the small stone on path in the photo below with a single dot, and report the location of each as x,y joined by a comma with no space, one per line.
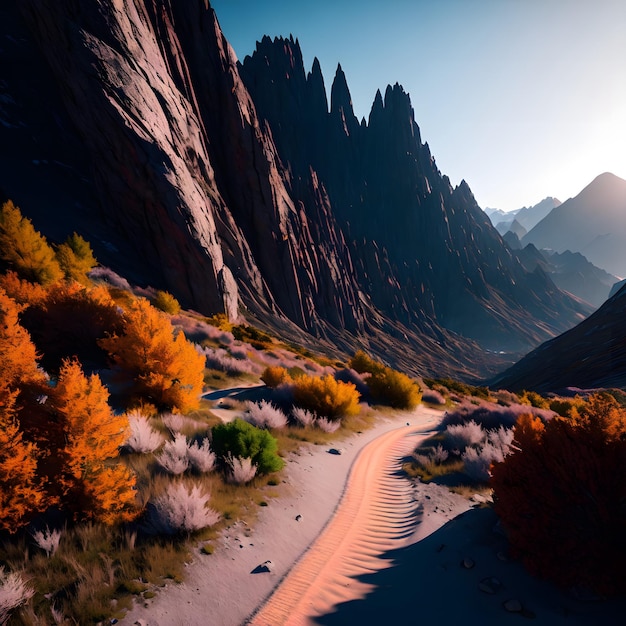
490,585
513,606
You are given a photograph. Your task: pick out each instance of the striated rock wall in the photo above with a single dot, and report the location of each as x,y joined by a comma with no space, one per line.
236,188
427,254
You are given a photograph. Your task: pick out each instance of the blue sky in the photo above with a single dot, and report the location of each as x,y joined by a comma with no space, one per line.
521,98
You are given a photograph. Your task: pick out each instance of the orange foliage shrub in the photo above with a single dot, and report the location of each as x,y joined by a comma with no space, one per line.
93,487
165,367
326,396
18,357
21,493
561,493
22,291
275,375
70,320
24,249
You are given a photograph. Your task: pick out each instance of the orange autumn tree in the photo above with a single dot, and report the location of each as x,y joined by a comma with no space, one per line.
70,320
560,496
94,485
24,249
166,368
18,357
21,492
21,290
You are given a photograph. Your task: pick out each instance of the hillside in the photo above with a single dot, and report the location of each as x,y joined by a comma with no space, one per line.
591,355
333,231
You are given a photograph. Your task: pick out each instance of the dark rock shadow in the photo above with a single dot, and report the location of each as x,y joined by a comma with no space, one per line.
426,583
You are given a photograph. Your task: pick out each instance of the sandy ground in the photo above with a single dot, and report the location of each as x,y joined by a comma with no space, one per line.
369,547
220,589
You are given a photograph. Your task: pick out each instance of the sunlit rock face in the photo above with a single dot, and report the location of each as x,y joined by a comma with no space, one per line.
237,189
422,249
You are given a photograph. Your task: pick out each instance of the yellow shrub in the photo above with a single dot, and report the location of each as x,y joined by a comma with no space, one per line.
166,302
532,398
394,388
326,396
362,363
386,384
275,375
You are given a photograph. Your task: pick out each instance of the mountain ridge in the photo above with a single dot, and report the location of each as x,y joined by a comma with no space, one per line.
170,173
592,223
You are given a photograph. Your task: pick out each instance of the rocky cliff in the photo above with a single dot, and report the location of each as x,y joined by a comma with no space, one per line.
442,258
129,121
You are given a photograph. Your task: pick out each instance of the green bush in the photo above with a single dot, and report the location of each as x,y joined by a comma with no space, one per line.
243,440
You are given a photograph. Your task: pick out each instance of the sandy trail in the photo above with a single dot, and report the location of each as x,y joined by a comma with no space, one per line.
223,585
377,513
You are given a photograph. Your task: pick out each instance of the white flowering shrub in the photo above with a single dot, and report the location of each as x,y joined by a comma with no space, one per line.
302,417
460,436
328,426
173,459
174,422
501,438
143,438
265,415
14,591
477,462
240,470
48,540
201,457
183,509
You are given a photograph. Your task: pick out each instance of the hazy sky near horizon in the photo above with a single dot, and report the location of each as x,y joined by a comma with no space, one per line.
521,98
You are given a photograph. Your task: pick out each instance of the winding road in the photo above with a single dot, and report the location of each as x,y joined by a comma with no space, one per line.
377,513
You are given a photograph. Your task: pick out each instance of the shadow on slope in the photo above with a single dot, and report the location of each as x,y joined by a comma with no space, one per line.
426,583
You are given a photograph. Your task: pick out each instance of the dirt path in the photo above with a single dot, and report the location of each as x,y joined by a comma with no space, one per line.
377,513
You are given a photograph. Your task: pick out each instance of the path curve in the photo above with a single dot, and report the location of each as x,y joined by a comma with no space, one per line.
377,513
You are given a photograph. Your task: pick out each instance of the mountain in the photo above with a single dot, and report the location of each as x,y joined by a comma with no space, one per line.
591,355
235,187
498,215
592,223
511,227
570,271
390,198
528,217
